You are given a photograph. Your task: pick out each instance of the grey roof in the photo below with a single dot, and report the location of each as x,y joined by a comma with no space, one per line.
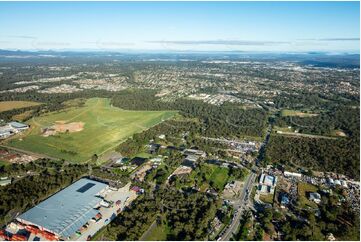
68,210
315,195
18,124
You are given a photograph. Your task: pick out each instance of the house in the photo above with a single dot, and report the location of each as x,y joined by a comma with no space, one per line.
153,148
137,189
170,147
285,201
5,182
188,163
330,237
121,160
214,162
138,161
315,197
212,192
3,152
330,181
188,152
192,158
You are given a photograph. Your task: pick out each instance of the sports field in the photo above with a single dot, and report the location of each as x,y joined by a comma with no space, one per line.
8,105
76,133
291,113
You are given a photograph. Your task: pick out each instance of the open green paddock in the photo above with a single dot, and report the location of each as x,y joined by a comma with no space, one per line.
104,128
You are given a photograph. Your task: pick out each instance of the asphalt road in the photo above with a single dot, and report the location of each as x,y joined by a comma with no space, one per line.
239,206
244,199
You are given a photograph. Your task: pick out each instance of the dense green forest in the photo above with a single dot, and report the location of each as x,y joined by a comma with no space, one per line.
226,120
344,118
341,155
314,101
188,215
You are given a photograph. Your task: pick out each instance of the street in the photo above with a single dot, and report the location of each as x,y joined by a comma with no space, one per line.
244,198
239,207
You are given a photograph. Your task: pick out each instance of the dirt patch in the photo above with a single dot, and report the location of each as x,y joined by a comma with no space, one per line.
62,127
70,127
142,172
232,189
305,115
182,170
341,133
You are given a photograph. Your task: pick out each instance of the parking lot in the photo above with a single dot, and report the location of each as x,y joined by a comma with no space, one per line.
124,195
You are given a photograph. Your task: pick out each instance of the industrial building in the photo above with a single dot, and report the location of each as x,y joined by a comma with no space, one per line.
18,126
64,213
12,128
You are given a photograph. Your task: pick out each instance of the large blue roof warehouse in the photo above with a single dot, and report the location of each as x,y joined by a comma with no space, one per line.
68,210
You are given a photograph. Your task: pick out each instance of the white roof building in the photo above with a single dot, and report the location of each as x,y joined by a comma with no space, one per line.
315,197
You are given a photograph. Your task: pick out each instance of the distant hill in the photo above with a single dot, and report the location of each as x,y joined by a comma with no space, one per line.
318,59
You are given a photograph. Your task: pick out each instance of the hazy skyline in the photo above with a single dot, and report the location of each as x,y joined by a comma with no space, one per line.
194,26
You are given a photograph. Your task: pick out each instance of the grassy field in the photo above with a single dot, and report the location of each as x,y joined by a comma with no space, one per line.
4,163
8,105
217,175
23,116
302,190
289,112
158,233
104,128
266,198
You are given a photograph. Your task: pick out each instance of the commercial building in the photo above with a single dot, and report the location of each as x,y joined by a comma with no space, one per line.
64,213
267,183
292,174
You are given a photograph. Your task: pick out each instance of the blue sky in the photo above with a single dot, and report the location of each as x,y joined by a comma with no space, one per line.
219,26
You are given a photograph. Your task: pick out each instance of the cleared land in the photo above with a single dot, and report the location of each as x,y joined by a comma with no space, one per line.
217,175
156,232
23,116
313,136
303,189
9,105
266,198
104,128
288,112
